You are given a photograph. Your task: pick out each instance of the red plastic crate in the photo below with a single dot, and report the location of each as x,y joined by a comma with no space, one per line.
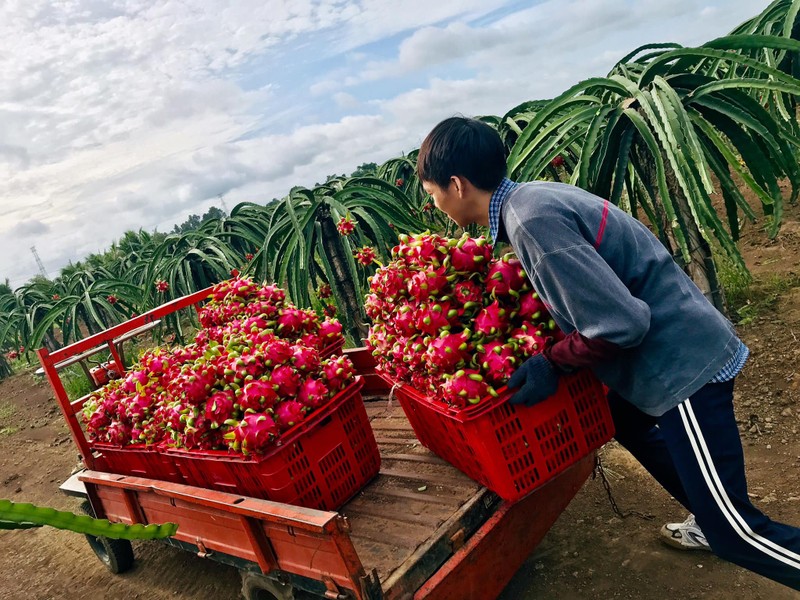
332,348
139,460
511,449
321,463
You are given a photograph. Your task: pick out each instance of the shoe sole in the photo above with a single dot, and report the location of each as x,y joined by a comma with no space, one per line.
672,542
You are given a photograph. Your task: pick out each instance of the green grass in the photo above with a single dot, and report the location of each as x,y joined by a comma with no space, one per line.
748,298
75,382
6,412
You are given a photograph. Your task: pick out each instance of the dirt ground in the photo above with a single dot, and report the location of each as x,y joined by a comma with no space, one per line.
589,552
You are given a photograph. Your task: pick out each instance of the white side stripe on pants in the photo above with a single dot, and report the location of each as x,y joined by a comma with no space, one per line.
719,493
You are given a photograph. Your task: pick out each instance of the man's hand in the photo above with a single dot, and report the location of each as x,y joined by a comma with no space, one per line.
537,380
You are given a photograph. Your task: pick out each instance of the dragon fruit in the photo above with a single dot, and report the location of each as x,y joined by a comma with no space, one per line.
118,433
286,381
468,292
313,393
442,307
277,352
498,361
256,351
465,387
288,414
531,306
254,434
305,359
491,320
257,396
470,254
505,277
425,284
338,372
330,330
447,352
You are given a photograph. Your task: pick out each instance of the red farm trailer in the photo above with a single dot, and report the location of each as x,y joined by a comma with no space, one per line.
419,530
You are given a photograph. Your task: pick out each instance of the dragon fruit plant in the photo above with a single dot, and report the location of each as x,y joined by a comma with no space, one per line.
453,321
253,372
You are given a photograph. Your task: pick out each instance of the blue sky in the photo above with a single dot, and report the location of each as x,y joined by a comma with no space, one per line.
129,114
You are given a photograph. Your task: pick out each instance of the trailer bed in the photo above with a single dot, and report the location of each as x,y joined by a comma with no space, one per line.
417,511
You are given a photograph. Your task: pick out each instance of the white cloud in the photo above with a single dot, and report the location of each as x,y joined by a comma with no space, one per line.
121,114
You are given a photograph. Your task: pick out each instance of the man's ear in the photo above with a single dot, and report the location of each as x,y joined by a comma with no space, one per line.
460,183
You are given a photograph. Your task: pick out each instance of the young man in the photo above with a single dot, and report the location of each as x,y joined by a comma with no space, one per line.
633,317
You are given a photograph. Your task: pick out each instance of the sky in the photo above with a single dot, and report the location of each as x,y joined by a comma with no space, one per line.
117,115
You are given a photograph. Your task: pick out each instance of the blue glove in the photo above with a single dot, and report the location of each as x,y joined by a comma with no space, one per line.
537,380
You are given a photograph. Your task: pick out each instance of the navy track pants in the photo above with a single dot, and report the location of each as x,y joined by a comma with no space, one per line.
695,452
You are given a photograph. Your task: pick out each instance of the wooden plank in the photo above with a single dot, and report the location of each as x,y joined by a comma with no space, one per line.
405,441
477,571
427,458
456,479
407,495
431,554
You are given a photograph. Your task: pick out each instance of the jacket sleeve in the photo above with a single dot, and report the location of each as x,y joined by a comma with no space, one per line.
575,351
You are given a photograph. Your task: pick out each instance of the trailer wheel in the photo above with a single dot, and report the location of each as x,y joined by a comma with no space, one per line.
116,555
259,587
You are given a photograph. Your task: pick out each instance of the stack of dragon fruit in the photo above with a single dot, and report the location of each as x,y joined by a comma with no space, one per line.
253,372
451,320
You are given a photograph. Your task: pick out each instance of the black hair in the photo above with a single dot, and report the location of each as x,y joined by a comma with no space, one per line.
466,147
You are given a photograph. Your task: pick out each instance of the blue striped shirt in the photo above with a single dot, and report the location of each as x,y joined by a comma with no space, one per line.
730,370
496,204
733,366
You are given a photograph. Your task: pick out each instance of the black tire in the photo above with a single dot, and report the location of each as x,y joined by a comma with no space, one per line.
259,587
116,555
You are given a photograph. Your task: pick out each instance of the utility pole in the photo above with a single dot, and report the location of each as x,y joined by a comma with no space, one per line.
39,263
224,206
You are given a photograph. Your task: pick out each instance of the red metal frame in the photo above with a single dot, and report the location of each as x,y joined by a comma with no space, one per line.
52,362
302,541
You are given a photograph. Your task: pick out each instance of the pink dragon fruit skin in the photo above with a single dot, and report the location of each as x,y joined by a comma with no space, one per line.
531,307
271,293
426,284
470,254
464,388
305,359
286,381
505,277
330,330
338,372
430,320
258,396
193,385
292,321
289,414
313,393
467,291
118,433
139,406
447,352
254,434
498,362
219,408
277,352
491,320
98,423
528,339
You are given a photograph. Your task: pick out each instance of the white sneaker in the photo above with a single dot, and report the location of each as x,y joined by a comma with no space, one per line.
684,536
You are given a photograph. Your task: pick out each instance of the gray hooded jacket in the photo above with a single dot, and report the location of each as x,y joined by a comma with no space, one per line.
602,272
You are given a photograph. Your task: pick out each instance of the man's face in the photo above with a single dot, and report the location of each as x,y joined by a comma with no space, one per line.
448,200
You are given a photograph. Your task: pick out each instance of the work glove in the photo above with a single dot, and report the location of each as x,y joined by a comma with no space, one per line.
536,379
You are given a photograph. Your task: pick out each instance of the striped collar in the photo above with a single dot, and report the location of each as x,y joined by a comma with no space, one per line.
496,205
